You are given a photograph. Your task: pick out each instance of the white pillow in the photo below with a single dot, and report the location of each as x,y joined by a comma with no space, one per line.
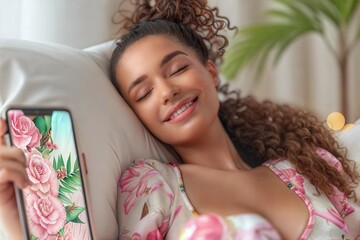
44,74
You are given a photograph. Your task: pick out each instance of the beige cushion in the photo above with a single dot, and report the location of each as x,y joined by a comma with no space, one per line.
44,74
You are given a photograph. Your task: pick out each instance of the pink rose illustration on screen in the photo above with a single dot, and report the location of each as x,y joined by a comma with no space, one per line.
46,216
25,134
42,175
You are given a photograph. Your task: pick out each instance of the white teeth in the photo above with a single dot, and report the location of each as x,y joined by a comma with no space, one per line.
181,110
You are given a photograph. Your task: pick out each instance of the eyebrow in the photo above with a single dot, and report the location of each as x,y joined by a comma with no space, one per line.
170,56
165,60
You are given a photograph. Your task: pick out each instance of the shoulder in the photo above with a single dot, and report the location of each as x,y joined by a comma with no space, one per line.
329,158
147,194
147,176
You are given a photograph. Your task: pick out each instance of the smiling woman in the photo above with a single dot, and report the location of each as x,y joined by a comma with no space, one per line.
247,167
173,89
164,69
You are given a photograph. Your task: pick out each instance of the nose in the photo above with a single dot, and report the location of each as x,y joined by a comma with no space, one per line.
168,91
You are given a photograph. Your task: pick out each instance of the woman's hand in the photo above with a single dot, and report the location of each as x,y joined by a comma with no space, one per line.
12,170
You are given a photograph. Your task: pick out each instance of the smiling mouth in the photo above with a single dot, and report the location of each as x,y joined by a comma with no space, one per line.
181,109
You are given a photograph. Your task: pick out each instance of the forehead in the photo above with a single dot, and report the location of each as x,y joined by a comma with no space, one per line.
146,54
153,47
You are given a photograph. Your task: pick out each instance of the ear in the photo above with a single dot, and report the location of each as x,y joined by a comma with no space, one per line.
214,72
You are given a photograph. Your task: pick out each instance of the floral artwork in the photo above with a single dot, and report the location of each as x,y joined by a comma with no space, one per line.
52,211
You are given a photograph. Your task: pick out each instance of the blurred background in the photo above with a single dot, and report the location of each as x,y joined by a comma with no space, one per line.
307,74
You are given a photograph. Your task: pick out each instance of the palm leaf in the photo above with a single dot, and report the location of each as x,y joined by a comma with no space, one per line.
259,41
321,8
64,199
296,11
68,185
68,165
71,182
256,43
72,213
346,9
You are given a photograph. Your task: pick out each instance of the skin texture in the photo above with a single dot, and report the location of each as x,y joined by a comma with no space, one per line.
199,138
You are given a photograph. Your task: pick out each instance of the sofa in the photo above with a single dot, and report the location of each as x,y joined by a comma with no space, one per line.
109,134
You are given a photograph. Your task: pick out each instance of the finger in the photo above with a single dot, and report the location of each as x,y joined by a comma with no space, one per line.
3,127
13,165
12,153
6,192
10,175
3,130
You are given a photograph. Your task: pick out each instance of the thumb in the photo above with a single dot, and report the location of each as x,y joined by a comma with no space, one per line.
3,130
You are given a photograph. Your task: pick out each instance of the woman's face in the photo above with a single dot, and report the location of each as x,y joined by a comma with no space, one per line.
170,90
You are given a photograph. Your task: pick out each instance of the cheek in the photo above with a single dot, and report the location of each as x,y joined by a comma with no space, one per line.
147,114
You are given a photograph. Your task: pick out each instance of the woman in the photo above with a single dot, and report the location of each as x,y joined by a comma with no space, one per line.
254,167
269,166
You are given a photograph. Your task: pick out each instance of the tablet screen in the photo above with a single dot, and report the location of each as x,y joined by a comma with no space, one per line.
54,205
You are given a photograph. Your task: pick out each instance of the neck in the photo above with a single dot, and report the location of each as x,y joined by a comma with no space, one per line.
213,149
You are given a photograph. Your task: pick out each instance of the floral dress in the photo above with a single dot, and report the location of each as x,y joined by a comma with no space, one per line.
153,205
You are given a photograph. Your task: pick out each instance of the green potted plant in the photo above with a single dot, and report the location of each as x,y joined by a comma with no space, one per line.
260,43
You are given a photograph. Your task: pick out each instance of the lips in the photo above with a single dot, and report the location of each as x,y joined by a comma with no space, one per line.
179,108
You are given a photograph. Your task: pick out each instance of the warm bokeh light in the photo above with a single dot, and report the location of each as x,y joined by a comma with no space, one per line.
335,121
348,126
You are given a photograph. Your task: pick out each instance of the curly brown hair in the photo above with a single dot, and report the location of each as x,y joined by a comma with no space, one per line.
260,131
263,131
196,14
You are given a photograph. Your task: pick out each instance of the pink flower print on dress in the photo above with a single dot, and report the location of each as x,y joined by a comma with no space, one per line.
46,216
340,202
296,179
24,133
329,158
160,232
259,232
333,216
136,236
41,174
125,235
204,227
135,182
338,198
154,235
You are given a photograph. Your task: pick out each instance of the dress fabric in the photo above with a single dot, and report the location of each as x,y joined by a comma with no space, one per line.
153,205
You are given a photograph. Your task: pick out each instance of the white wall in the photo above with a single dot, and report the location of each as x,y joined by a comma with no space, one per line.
77,23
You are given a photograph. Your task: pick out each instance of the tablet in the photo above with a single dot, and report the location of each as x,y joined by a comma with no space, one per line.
55,204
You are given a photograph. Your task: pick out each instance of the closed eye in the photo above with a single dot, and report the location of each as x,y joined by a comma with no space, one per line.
179,70
144,96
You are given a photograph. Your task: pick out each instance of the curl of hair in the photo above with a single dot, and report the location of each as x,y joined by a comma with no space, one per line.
266,131
196,14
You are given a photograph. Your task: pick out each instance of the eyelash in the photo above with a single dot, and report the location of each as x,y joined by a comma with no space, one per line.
144,96
174,73
179,70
